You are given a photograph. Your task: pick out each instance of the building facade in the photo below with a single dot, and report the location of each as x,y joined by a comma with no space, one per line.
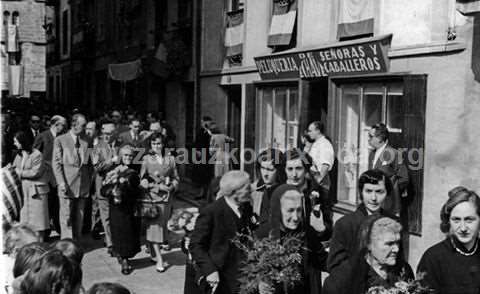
136,55
413,65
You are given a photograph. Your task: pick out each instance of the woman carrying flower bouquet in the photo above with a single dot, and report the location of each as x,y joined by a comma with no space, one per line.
379,267
286,220
453,265
121,186
160,178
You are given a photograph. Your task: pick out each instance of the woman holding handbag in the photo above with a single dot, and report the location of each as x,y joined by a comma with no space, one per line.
160,178
121,187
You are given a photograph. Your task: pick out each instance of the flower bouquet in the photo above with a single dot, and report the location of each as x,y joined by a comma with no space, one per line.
403,286
269,261
153,184
111,185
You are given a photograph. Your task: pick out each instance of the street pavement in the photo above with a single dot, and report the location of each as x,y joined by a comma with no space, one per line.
98,266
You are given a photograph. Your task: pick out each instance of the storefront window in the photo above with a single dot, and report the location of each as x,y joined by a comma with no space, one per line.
277,118
362,106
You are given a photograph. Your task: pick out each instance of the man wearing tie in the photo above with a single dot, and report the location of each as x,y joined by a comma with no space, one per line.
72,173
35,124
389,160
104,158
132,137
44,143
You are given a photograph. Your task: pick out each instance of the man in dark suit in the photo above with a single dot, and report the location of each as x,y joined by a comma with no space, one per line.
34,125
72,169
218,260
132,137
44,143
384,157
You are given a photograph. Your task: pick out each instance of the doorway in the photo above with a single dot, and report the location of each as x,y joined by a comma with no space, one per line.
234,111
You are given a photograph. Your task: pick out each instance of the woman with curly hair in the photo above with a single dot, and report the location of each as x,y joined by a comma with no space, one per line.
453,265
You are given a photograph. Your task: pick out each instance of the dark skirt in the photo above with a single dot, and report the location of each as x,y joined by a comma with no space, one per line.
125,230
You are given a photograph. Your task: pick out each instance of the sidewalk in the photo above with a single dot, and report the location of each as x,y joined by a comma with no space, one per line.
98,266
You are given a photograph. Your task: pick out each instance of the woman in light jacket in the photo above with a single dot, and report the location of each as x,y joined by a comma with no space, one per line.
30,167
160,177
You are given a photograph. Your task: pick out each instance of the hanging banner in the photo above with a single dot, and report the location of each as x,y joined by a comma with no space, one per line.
234,33
344,58
15,80
12,38
283,22
356,18
125,71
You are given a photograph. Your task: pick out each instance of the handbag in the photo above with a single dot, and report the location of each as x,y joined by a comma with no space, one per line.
147,209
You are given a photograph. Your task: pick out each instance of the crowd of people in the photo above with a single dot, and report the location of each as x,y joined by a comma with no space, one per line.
130,176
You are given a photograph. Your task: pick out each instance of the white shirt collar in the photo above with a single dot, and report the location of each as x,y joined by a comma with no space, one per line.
53,133
74,137
379,151
233,206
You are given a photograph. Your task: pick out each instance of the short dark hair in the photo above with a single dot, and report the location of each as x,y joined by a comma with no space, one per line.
381,131
319,126
108,288
296,153
374,176
27,256
206,118
25,139
70,249
456,196
276,157
53,273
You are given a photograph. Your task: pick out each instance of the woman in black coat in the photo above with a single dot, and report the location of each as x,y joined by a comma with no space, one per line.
286,219
452,266
374,188
121,187
379,262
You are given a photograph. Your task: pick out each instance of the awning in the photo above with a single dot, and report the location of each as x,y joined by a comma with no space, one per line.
362,56
125,71
283,22
356,18
234,33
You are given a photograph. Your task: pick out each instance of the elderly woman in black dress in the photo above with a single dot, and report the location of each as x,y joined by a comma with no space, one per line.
453,265
121,187
378,263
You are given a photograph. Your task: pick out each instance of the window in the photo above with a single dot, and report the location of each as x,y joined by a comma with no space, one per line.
234,5
278,111
360,107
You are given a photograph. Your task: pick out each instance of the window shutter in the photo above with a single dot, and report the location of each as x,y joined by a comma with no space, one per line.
250,100
415,90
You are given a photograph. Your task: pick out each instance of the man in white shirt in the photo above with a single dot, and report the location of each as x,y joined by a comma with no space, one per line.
322,154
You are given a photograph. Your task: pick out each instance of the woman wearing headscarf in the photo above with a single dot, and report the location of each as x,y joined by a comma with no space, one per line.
287,219
379,262
453,265
31,169
122,193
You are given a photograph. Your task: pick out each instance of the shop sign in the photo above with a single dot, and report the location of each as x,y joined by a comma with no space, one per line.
346,58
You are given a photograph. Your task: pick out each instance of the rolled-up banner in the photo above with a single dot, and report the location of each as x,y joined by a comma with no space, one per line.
15,79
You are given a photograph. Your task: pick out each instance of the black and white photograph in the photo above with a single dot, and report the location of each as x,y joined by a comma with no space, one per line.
240,147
